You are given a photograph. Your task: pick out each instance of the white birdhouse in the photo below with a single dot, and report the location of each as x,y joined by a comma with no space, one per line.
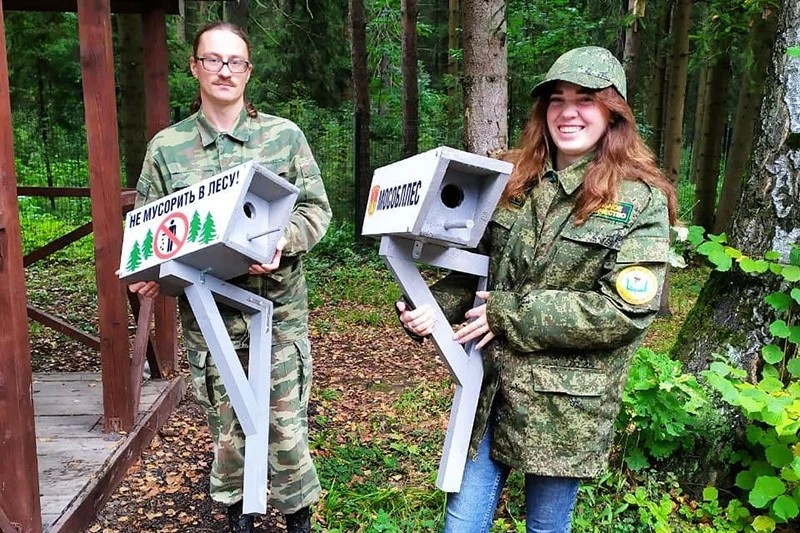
220,225
443,196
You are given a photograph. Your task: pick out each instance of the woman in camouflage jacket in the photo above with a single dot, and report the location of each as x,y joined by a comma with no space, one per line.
578,251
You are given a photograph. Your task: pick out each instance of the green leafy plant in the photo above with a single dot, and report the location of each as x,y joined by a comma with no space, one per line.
770,475
660,406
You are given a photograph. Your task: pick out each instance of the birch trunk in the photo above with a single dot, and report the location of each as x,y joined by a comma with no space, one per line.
731,317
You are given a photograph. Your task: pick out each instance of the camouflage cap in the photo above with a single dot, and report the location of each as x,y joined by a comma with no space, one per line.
589,66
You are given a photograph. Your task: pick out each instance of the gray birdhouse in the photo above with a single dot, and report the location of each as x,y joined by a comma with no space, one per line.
220,226
442,196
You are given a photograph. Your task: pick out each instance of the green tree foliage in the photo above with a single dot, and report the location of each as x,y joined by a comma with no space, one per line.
538,32
43,48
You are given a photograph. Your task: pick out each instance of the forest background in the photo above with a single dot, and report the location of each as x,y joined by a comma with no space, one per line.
705,442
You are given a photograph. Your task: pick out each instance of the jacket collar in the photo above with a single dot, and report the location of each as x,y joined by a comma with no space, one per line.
240,131
571,177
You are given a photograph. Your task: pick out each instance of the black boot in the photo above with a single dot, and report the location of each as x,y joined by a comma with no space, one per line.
238,522
299,522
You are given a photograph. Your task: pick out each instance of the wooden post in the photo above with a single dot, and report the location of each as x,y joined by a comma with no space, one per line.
97,66
156,71
19,467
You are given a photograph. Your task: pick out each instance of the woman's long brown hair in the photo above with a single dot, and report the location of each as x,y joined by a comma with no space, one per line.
240,33
621,154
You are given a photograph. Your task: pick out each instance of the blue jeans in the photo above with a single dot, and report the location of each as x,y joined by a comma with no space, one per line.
548,500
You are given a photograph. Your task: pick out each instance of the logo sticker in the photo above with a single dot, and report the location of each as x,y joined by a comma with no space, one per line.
373,199
615,211
637,285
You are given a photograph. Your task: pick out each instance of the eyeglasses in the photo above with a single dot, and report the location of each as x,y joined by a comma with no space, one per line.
236,65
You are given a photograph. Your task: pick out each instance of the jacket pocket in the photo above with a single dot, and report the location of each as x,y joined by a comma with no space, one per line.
644,249
570,408
579,255
500,225
181,177
283,167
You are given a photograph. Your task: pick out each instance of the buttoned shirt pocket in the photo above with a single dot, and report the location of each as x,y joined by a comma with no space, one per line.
180,177
579,255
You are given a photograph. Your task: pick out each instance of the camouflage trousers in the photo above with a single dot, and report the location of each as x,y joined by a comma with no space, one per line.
293,479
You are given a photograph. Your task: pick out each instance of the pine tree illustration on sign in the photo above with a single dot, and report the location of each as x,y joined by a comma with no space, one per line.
209,230
135,258
194,227
147,245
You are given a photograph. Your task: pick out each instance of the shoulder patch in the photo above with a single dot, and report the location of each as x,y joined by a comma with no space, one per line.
637,285
616,211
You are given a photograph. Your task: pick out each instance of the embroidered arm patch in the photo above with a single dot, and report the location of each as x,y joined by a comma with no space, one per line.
637,285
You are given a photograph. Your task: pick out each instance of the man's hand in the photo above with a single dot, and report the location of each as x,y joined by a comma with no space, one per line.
148,289
266,268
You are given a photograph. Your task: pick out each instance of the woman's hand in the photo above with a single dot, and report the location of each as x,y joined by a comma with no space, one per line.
266,268
148,289
479,325
420,321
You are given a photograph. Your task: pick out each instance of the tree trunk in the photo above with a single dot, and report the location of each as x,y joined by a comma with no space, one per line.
192,18
238,12
132,117
716,109
409,14
762,34
676,92
438,60
730,316
633,41
657,104
44,123
358,55
485,78
699,138
453,23
384,70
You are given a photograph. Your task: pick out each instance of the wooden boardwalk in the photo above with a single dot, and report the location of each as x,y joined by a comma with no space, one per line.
79,465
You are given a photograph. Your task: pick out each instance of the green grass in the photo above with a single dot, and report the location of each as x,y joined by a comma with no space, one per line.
366,492
685,285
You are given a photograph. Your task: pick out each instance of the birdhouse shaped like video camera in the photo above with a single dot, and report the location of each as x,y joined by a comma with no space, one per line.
220,225
443,196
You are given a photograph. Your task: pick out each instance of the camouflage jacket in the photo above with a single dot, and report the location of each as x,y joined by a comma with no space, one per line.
192,150
569,305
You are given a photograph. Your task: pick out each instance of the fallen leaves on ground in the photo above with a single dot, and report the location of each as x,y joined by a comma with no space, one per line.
368,367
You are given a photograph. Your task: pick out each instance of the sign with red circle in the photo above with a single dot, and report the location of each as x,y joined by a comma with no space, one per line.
171,235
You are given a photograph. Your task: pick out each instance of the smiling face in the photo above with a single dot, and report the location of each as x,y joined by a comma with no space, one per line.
575,121
223,88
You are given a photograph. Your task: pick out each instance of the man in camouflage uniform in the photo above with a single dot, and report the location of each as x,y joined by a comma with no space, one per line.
569,301
225,132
